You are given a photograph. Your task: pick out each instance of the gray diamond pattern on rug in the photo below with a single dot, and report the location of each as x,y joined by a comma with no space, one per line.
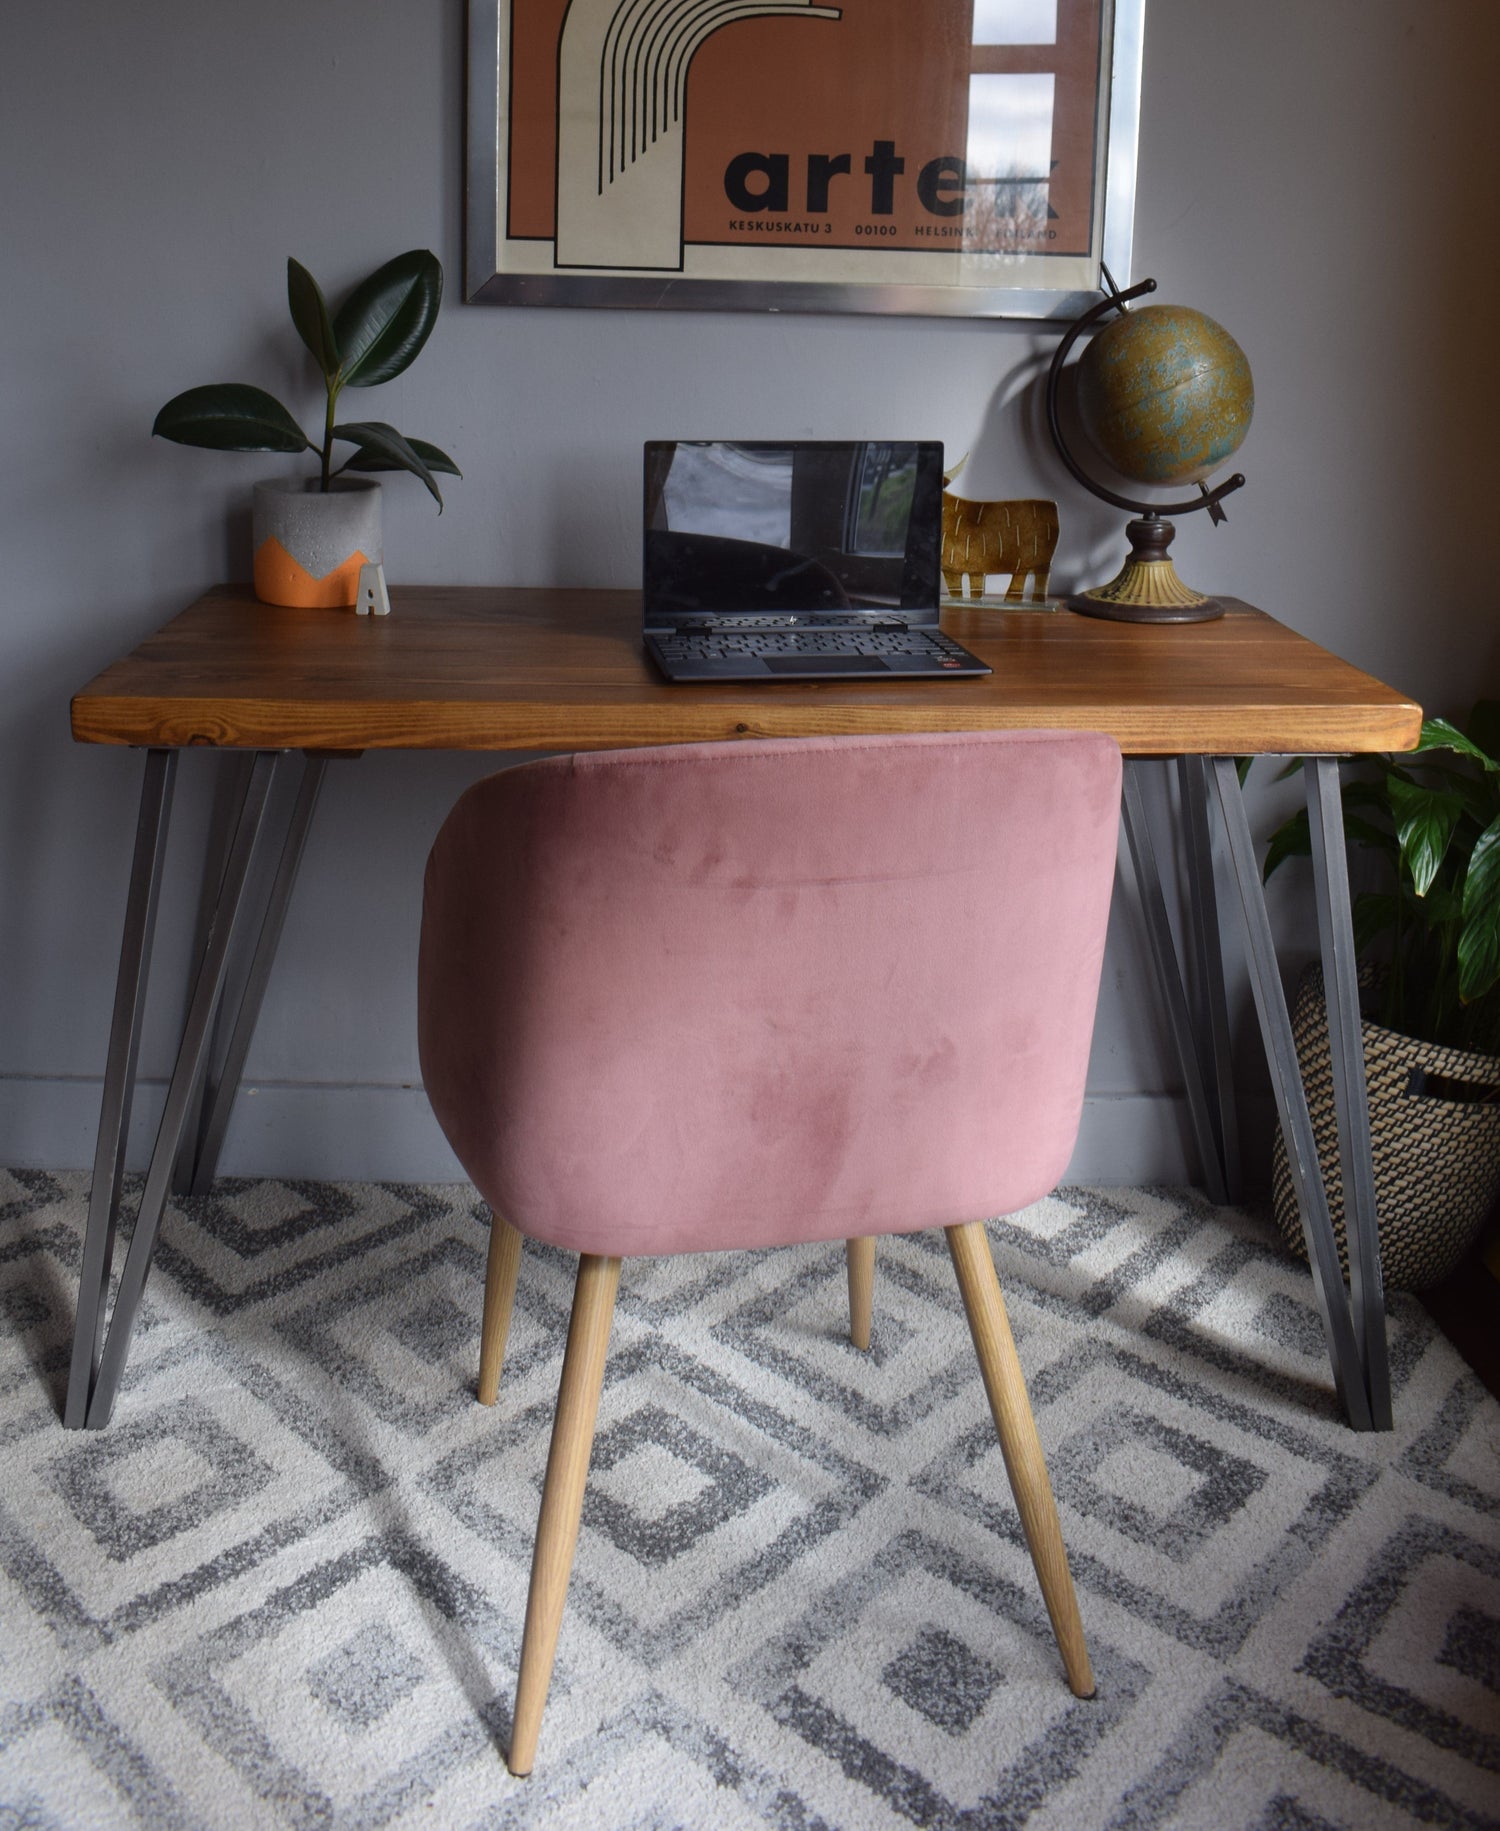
366,1677
157,1476
943,1678
286,1586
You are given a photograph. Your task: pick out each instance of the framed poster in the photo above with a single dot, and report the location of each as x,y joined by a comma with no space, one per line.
952,157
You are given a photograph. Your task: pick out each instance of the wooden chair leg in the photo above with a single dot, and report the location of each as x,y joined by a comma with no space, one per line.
861,1256
1022,1448
562,1497
499,1296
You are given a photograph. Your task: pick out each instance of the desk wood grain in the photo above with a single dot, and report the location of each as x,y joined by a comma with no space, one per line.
479,668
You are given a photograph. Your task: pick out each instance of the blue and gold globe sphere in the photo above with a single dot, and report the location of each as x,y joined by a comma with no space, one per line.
1165,394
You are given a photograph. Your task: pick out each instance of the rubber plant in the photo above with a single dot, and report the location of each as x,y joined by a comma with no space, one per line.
1431,817
374,336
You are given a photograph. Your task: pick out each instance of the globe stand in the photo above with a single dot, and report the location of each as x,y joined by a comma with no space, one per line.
1147,589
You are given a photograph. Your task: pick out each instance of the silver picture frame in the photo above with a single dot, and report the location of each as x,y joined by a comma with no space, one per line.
590,266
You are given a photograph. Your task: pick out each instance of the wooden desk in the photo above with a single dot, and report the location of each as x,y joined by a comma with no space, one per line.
457,668
461,668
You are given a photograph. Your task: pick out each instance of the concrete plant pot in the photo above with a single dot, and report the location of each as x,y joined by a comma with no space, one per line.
309,546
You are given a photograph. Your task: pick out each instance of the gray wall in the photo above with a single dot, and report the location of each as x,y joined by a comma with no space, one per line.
1318,174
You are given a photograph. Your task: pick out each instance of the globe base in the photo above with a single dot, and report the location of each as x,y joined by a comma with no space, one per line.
1147,589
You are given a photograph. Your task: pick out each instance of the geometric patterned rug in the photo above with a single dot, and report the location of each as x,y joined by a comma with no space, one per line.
285,1587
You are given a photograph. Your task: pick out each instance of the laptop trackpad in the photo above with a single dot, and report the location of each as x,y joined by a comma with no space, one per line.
823,664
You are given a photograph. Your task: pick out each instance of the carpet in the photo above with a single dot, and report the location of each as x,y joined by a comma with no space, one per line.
285,1587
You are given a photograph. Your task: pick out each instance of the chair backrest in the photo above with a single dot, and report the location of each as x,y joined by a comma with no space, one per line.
726,995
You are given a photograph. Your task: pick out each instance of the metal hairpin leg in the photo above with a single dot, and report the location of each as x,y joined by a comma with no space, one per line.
1170,980
1350,1095
229,796
1355,1391
90,1401
1214,1045
223,1085
119,1079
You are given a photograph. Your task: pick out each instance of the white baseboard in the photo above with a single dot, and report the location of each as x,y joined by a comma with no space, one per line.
318,1131
329,1133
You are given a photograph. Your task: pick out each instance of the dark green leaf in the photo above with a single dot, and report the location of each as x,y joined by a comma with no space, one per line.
230,416
310,315
1359,832
1292,839
1441,904
1242,769
375,437
430,455
1480,794
1481,800
385,321
1479,939
1365,794
1425,819
1438,734
1374,915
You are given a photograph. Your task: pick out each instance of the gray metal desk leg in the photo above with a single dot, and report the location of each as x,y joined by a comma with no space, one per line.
1213,1033
189,1066
1346,1044
224,1085
1291,1102
119,1078
1169,979
229,798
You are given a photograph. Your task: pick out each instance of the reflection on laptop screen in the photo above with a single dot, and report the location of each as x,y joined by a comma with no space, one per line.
771,528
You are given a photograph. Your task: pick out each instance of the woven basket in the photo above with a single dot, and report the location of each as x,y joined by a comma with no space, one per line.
1437,1159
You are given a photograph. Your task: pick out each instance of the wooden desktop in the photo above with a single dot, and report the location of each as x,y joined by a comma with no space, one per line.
480,668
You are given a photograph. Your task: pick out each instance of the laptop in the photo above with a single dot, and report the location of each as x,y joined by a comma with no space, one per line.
796,560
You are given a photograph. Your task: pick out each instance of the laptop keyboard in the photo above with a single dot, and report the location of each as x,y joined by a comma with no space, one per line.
719,645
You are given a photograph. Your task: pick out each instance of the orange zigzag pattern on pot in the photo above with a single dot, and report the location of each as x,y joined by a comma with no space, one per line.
281,579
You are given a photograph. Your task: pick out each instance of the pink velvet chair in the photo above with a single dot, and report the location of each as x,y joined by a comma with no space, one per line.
757,994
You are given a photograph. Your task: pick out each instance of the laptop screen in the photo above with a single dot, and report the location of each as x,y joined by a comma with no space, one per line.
757,528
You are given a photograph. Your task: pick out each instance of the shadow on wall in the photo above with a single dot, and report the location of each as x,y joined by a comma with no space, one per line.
1013,456
594,509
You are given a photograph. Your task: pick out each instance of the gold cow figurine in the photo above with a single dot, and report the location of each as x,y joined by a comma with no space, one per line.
985,538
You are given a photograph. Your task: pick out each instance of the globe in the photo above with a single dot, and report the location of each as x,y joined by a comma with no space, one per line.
1165,394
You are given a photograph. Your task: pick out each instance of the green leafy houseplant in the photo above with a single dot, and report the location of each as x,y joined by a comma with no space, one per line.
374,336
1432,817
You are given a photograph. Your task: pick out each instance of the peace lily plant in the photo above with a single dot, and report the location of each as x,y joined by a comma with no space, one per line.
1432,818
374,336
